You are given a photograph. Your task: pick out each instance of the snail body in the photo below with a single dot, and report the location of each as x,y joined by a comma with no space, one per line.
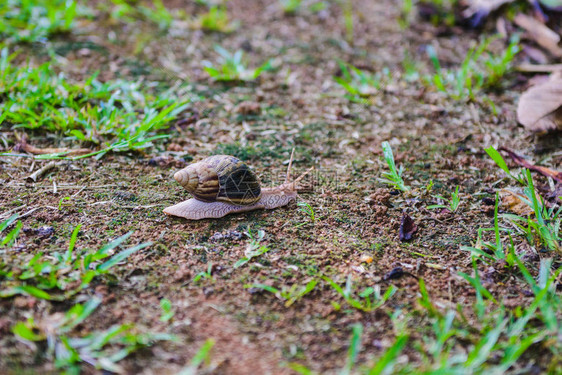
223,185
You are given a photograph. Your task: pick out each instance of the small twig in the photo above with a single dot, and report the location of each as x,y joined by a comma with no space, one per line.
79,191
38,173
62,187
23,145
98,203
9,212
535,68
29,212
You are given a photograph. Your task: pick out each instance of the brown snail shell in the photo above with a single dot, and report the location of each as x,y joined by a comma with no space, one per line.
221,178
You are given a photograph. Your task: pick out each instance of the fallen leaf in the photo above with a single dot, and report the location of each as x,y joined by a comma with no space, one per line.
513,202
395,273
540,33
407,228
557,176
540,107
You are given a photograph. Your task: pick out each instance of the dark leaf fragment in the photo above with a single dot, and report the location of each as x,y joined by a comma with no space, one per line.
395,273
557,176
407,228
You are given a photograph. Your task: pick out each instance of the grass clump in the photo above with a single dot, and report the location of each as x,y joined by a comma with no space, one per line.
130,12
453,203
11,237
216,19
61,275
479,70
28,21
493,251
289,294
544,229
254,249
290,6
202,356
167,311
498,337
102,349
116,115
208,274
359,84
368,300
308,210
394,176
384,364
443,11
232,67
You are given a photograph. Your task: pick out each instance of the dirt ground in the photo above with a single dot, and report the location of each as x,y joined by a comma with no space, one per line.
433,137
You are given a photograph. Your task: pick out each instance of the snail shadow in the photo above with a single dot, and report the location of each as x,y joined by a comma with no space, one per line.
241,220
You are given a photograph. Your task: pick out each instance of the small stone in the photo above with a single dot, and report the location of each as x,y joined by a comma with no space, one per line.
248,108
175,147
84,52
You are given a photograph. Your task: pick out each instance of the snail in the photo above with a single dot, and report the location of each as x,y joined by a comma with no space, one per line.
223,185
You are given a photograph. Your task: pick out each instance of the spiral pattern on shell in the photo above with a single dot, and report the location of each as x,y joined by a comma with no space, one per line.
221,178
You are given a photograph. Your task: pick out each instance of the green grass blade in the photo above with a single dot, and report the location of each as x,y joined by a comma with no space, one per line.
27,290
385,364
68,256
119,257
354,349
6,223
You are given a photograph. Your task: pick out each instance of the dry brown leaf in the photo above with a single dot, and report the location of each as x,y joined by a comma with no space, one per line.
540,33
539,108
407,228
513,202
